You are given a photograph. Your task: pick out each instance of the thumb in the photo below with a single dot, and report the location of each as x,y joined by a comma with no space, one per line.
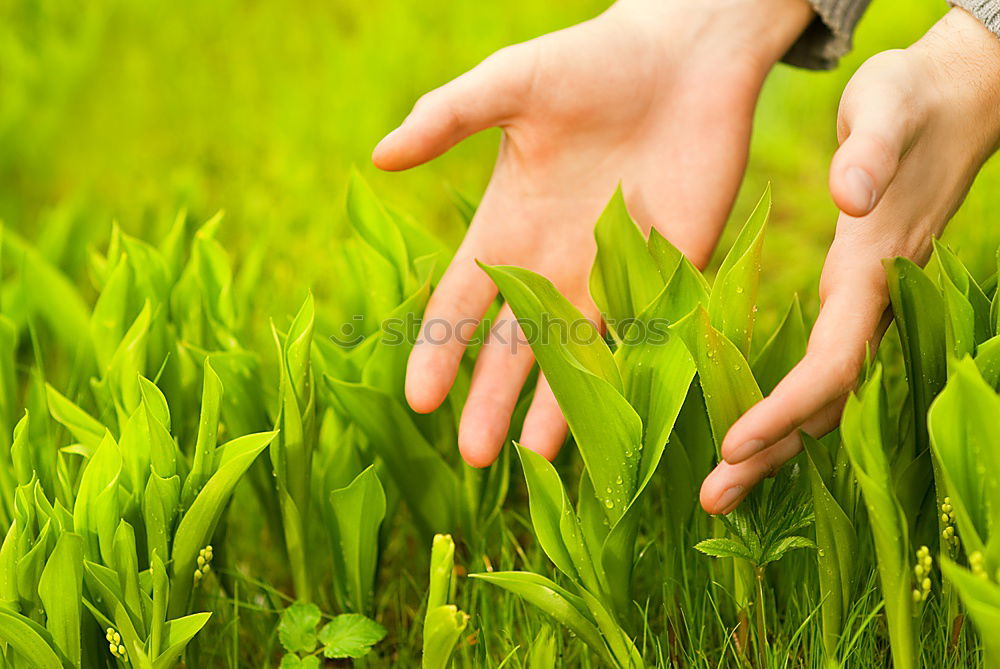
485,96
876,130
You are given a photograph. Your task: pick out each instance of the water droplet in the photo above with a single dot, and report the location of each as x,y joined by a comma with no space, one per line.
608,503
609,490
739,289
618,481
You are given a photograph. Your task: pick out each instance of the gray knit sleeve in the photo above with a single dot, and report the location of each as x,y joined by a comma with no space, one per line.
828,37
987,11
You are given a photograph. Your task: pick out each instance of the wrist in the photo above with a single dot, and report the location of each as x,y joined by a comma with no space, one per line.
963,58
754,33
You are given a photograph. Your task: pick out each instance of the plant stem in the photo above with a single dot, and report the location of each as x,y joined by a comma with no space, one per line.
761,634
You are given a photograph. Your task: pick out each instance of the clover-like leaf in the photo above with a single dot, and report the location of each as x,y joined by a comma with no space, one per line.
350,635
297,627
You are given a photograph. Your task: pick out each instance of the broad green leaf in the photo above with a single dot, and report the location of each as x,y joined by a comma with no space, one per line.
199,522
728,384
297,627
87,429
988,361
8,380
374,224
955,273
962,423
537,302
862,429
29,640
556,526
203,464
427,483
443,627
99,482
563,607
61,590
108,321
837,543
919,312
586,382
734,293
160,580
160,503
127,565
350,635
783,350
177,634
43,289
624,278
981,599
357,513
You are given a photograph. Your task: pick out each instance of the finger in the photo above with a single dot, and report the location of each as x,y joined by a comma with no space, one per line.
483,97
544,428
877,129
852,317
502,367
453,312
728,484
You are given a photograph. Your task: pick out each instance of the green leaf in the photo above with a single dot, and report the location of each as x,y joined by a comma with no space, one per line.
624,278
203,464
427,483
556,526
30,640
728,384
562,606
919,313
777,551
82,425
722,547
783,350
60,590
962,423
350,635
988,361
443,627
291,661
734,293
196,527
981,599
297,627
357,513
374,224
837,542
585,380
178,633
862,427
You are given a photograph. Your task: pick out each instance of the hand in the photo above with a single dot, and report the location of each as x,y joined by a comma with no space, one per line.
915,126
655,94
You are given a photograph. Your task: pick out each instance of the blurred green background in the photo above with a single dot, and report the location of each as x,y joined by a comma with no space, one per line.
122,110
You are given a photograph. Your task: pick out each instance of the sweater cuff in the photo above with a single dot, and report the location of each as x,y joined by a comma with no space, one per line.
987,11
829,36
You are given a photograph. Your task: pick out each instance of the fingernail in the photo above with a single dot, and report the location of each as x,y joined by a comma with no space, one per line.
861,189
744,451
727,500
